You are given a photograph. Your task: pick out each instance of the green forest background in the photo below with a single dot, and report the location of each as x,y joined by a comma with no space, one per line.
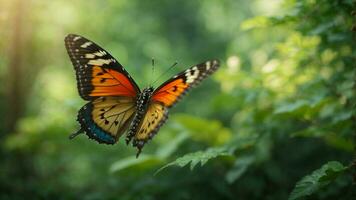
276,121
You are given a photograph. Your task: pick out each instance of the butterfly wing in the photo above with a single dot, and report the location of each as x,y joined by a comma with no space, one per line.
98,73
166,96
173,89
106,118
154,118
102,80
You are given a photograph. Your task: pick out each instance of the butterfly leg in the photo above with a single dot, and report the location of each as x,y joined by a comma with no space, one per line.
138,153
80,131
139,145
129,138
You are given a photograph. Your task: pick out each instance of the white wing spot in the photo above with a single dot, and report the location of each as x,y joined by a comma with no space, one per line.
76,38
208,65
100,53
85,45
76,50
89,55
100,62
191,77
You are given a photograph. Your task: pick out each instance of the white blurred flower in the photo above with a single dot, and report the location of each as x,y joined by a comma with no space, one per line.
233,64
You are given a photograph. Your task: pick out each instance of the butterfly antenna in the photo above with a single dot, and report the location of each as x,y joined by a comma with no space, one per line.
153,69
80,131
174,64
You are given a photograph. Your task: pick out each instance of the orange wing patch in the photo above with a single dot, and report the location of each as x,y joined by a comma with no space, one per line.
170,93
98,73
108,82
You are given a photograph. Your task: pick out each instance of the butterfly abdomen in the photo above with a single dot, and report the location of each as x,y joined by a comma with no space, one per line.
142,102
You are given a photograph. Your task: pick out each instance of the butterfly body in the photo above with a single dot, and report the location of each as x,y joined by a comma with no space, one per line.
142,104
116,103
143,99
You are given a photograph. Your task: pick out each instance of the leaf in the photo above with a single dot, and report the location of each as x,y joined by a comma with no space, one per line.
228,149
239,142
342,116
318,179
210,131
201,157
132,161
288,108
256,22
322,28
166,150
161,154
303,107
339,142
240,166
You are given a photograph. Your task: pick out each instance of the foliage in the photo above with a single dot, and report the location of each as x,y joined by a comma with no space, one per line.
198,157
318,179
281,105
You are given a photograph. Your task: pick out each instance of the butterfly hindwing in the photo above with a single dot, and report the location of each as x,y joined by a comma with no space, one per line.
98,73
153,119
107,118
173,89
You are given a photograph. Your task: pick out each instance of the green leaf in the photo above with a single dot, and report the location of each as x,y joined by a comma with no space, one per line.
168,149
239,142
256,22
322,28
210,131
318,179
145,160
201,157
132,161
309,106
240,166
291,107
339,142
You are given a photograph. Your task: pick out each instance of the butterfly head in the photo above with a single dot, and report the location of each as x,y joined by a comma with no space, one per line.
148,90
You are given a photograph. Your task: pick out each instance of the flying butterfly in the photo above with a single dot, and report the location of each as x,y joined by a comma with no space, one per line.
116,103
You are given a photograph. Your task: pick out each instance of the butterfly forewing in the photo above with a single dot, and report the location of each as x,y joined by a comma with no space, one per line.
98,73
173,89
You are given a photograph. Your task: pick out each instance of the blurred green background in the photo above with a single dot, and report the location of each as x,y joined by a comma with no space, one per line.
277,120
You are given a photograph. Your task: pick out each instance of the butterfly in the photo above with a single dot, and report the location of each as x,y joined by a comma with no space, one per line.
116,105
